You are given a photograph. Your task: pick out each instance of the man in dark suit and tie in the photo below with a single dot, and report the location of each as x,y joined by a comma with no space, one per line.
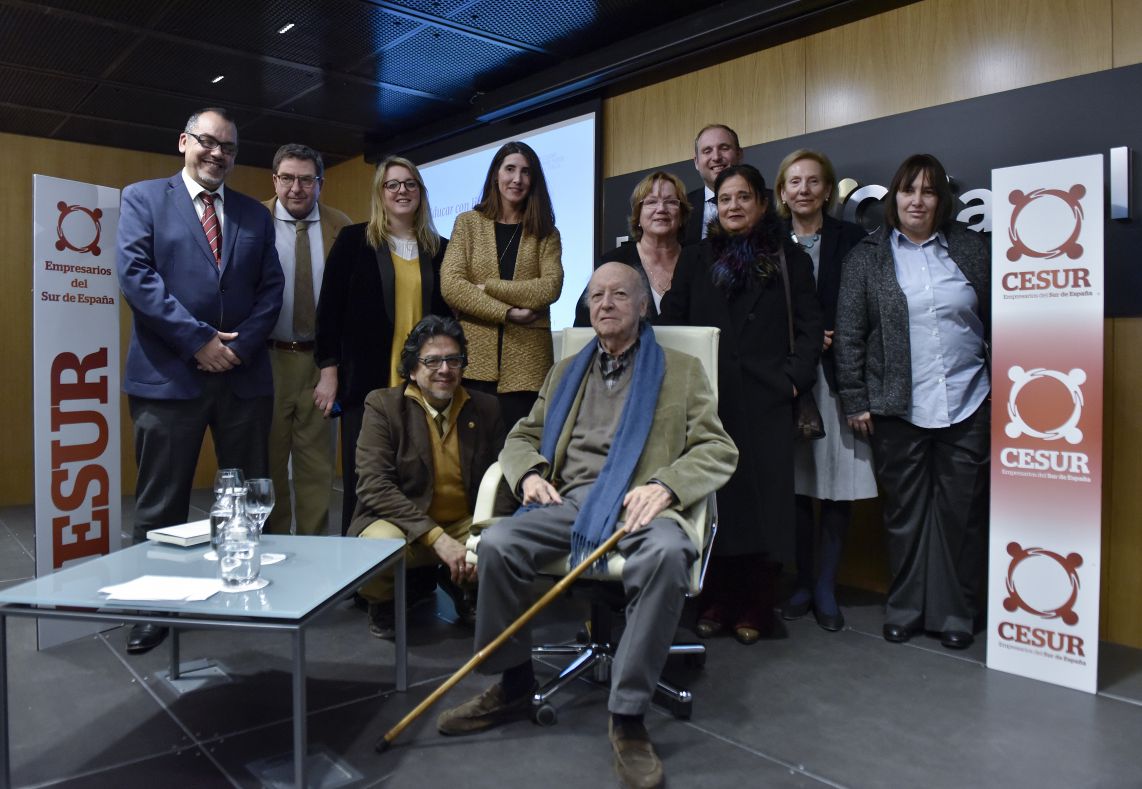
715,148
197,266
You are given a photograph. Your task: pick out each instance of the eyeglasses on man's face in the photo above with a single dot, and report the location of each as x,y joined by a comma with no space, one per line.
394,185
304,181
211,144
457,362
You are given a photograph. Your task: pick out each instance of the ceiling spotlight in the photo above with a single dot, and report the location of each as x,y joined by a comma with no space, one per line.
217,79
288,26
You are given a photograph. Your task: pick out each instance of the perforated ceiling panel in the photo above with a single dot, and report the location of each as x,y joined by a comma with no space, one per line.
128,72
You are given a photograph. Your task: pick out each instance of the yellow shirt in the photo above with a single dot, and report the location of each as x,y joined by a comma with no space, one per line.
450,499
406,306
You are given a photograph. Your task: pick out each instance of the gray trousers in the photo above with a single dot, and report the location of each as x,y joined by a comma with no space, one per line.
655,577
933,485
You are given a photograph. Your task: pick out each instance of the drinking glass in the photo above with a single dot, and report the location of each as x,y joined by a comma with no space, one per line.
259,500
228,480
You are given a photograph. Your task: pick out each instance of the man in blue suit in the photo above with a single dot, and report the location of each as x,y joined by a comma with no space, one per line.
198,267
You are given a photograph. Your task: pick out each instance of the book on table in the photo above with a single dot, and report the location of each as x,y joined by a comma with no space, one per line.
185,534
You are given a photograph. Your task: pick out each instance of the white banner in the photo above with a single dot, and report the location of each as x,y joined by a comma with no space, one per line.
75,403
1046,434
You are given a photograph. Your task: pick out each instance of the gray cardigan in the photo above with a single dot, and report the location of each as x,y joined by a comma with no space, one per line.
872,353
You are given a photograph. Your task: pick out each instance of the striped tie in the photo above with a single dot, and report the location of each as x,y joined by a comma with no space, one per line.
211,226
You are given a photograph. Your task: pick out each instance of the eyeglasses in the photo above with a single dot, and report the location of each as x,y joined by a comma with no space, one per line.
211,144
457,362
304,181
394,185
670,203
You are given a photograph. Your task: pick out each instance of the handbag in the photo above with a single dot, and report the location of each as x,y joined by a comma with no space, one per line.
807,422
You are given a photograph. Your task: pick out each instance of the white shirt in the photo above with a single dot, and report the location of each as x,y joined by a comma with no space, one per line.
196,189
285,237
709,209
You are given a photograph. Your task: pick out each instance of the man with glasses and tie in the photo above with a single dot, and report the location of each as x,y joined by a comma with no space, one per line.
198,267
304,230
423,449
715,148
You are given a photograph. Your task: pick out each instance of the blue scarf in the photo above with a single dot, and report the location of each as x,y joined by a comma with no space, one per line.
600,512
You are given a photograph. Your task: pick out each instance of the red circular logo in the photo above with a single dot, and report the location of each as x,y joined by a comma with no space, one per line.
1070,247
63,242
1070,564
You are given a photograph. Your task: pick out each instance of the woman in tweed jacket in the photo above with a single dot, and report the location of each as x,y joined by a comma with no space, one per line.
911,364
501,273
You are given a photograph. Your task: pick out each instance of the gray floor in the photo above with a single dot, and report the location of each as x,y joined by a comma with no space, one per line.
812,710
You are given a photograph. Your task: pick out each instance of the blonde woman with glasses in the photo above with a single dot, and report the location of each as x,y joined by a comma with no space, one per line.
381,278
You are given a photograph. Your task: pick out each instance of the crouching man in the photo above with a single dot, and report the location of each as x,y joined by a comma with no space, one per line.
626,436
423,449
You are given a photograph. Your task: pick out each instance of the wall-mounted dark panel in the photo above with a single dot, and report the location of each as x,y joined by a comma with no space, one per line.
1056,120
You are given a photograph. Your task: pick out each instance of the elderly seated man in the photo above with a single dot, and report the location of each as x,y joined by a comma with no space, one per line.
626,436
423,449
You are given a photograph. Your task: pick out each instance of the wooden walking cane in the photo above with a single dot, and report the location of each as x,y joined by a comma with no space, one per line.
478,658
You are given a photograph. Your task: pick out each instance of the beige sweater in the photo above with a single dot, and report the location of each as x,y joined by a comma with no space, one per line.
472,260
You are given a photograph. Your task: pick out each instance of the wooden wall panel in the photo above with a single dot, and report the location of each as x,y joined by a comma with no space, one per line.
1122,541
941,51
348,186
20,159
1127,32
761,96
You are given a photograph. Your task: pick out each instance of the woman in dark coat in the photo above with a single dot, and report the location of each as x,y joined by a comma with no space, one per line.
736,285
381,278
659,211
912,327
836,470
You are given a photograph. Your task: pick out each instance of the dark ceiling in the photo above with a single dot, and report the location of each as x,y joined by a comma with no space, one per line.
350,76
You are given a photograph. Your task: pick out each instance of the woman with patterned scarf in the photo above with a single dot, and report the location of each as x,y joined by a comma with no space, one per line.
738,284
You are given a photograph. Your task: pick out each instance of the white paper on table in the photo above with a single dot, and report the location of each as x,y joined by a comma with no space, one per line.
163,587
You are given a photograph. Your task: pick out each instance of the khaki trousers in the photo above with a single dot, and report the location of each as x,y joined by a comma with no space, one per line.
380,588
299,429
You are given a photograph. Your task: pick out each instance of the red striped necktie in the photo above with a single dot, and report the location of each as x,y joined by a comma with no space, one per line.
211,226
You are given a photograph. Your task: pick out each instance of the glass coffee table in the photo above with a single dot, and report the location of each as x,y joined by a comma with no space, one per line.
317,573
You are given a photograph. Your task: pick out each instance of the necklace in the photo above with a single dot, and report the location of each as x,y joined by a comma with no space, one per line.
508,245
807,242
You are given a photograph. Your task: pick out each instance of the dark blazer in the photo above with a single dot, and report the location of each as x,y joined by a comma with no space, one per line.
756,376
873,356
394,458
837,238
697,200
356,308
180,298
627,253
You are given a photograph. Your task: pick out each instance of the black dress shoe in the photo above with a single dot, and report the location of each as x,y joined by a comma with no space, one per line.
791,610
830,622
145,637
956,639
897,634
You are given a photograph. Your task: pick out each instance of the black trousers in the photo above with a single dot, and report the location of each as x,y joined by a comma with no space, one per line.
934,484
168,437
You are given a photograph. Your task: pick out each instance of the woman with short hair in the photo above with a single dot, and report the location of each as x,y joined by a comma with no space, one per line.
912,370
837,469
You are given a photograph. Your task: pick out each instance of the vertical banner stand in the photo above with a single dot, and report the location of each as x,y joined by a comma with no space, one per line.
75,403
1046,433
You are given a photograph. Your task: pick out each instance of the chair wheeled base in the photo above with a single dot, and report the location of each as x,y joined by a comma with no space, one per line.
591,657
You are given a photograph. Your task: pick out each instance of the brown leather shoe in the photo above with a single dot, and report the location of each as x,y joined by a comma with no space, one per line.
636,762
482,712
